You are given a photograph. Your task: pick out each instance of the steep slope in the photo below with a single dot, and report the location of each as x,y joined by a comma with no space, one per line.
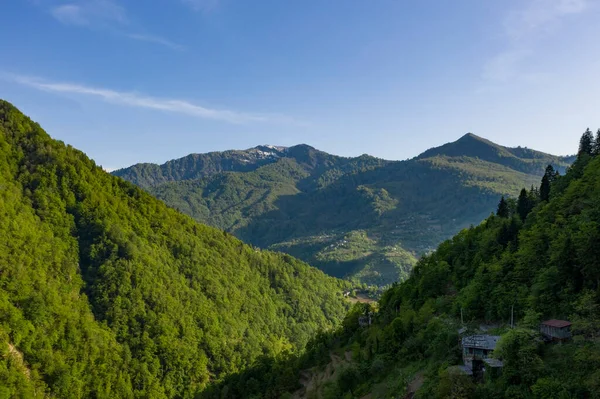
536,265
106,292
361,218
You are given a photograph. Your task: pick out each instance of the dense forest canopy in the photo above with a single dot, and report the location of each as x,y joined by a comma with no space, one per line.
361,218
536,258
105,292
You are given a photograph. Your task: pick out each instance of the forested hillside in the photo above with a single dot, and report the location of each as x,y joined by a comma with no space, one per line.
363,218
538,256
105,292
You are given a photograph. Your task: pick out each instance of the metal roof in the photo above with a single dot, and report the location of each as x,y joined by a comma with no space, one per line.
557,323
481,341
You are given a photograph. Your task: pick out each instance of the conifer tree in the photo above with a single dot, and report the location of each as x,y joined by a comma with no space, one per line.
523,204
586,144
597,143
550,175
534,196
502,208
545,188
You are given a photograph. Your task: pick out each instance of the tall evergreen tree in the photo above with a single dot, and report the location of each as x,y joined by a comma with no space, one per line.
586,144
597,143
502,208
550,175
545,188
523,204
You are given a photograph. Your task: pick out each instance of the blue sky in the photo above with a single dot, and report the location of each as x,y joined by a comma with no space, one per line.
131,81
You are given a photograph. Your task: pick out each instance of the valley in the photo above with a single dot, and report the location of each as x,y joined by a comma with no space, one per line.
228,199
106,292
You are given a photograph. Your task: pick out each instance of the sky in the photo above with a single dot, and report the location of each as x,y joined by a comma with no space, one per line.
130,81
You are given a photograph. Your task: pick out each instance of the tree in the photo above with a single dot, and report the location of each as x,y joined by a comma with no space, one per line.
502,208
586,144
586,320
523,204
597,143
455,385
545,189
520,349
550,176
349,379
551,173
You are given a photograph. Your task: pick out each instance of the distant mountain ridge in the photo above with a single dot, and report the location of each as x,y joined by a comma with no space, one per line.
196,166
364,218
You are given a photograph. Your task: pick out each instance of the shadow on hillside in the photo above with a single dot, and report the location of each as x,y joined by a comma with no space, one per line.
418,187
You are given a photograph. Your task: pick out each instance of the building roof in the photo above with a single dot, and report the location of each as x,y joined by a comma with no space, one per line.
481,341
557,323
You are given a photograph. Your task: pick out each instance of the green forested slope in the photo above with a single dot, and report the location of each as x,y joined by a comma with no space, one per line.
362,218
105,292
539,255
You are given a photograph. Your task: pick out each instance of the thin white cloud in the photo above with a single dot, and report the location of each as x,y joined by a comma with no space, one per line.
154,39
524,28
90,13
105,15
70,14
143,101
539,17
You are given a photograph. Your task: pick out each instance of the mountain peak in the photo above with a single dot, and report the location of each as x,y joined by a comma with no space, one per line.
473,146
471,136
270,148
303,147
469,145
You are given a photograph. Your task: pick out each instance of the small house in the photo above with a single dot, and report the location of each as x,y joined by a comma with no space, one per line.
478,348
556,330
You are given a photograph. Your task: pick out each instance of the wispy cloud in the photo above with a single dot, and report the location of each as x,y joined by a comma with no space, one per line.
105,15
539,17
90,13
144,101
523,29
154,39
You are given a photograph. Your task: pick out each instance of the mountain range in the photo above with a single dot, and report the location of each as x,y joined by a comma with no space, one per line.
362,218
107,292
